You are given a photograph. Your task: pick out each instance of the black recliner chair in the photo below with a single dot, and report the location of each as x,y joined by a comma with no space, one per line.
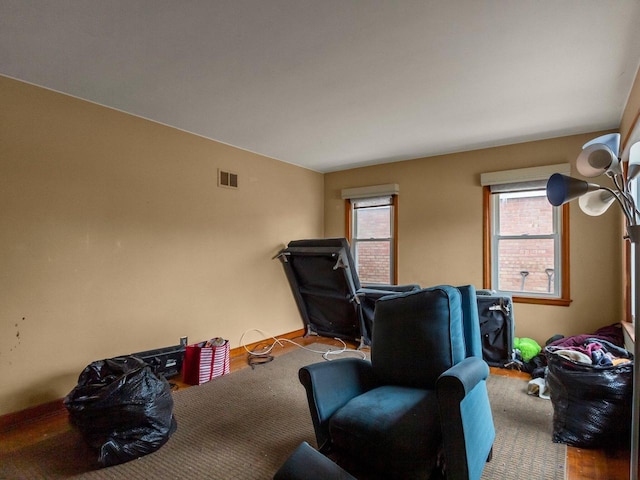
327,290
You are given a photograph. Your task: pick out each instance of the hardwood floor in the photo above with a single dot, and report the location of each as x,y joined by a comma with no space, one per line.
582,464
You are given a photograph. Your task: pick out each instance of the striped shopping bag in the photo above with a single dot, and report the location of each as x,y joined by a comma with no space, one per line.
204,361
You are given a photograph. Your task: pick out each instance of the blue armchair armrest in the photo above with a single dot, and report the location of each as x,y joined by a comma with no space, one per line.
460,379
329,386
465,417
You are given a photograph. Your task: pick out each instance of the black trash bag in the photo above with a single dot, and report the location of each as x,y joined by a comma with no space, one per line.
122,409
591,403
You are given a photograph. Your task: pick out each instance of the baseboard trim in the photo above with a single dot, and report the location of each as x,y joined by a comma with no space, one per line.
17,419
12,420
242,350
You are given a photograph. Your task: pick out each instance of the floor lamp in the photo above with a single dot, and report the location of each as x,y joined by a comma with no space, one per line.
600,157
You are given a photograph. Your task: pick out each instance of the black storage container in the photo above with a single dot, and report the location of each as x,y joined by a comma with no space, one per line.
496,328
166,362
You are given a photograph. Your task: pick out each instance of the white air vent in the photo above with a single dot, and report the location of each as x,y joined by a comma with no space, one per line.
227,179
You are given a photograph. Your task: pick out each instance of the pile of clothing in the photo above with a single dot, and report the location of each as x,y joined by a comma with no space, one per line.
593,351
611,334
603,348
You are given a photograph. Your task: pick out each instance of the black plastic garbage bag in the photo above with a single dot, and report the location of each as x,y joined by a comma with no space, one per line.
122,409
591,403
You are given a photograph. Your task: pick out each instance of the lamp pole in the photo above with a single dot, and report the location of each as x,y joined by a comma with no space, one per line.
600,156
634,236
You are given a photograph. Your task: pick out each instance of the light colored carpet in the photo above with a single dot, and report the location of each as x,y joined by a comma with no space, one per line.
524,427
244,426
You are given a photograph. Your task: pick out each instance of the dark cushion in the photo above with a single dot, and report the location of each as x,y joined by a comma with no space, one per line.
417,336
306,463
390,428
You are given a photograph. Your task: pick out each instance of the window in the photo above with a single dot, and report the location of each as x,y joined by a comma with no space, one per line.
372,232
526,243
372,242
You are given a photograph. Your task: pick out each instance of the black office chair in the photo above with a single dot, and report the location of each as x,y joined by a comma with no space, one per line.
327,290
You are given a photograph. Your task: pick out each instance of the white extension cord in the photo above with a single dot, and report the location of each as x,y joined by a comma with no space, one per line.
279,341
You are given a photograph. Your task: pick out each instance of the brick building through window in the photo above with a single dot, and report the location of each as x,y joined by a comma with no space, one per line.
371,228
526,244
372,240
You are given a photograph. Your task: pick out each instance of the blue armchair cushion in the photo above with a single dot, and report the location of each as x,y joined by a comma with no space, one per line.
390,428
417,336
330,386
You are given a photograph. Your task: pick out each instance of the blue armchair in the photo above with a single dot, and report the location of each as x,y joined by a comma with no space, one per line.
421,403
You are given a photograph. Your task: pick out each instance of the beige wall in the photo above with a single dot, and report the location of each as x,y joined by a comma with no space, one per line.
440,230
115,238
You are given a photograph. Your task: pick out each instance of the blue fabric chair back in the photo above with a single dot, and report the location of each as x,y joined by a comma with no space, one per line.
471,321
417,336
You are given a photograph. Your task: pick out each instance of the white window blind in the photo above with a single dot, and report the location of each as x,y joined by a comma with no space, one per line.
522,179
371,191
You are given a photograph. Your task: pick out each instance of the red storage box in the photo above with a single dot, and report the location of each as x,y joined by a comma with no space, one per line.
204,361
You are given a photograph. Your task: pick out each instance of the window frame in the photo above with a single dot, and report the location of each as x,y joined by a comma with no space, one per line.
349,217
565,297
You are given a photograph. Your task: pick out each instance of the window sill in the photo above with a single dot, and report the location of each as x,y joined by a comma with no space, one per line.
558,302
629,330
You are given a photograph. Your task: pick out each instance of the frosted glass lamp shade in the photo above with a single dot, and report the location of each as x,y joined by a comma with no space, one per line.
599,156
596,203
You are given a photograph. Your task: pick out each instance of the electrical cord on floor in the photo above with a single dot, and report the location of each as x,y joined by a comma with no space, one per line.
326,354
259,357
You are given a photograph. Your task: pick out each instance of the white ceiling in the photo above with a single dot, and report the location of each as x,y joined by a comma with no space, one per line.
333,84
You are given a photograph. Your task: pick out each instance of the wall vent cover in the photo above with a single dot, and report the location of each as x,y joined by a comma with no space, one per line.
227,179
